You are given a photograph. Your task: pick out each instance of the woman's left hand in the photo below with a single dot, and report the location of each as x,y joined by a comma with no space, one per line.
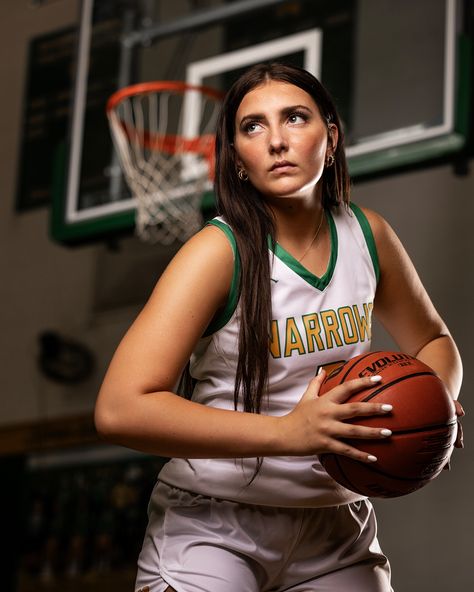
459,443
460,413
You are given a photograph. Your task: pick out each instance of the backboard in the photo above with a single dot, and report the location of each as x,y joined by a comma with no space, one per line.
397,70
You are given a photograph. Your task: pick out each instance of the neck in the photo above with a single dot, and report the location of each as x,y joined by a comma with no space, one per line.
297,214
296,222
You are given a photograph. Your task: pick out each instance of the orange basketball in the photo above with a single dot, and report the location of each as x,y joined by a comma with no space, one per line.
423,423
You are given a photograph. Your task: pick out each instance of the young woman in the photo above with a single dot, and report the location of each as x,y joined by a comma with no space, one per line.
276,290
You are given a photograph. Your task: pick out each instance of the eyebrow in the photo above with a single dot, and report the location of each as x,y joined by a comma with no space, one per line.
284,111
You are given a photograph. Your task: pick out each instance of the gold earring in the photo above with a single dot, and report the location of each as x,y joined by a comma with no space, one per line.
330,160
242,174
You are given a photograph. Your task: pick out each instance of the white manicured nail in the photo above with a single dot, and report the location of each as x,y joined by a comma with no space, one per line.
386,407
386,432
319,371
372,458
376,378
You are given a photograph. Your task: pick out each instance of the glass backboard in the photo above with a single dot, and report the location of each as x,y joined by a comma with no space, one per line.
397,70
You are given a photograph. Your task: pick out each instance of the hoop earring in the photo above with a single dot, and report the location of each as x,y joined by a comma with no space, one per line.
330,160
242,174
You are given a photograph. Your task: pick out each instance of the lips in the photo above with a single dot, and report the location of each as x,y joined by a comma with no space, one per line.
282,164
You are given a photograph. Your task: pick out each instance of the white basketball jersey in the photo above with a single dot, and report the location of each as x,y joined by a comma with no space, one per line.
317,322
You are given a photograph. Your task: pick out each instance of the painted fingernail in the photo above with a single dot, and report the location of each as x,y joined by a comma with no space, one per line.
386,407
376,378
372,458
386,432
319,371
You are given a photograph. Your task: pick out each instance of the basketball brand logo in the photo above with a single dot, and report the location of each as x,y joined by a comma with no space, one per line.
386,361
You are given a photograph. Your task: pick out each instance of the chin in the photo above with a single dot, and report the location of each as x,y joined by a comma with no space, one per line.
294,190
288,188
299,192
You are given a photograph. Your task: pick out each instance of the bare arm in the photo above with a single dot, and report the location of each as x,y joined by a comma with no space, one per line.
137,407
406,311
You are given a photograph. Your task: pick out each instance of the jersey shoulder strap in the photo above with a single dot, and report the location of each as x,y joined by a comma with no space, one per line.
226,313
368,236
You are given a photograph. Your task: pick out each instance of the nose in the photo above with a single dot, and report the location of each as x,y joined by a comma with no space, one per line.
278,142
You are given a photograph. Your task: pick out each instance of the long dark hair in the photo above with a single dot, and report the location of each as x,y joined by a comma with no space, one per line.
244,209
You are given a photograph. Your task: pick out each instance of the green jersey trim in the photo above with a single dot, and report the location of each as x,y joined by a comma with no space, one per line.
225,315
369,238
317,282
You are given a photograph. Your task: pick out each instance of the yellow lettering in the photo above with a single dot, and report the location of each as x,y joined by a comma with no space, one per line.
364,322
331,327
293,338
275,341
348,324
313,332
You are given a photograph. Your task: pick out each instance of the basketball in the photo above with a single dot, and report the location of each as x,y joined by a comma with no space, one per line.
423,424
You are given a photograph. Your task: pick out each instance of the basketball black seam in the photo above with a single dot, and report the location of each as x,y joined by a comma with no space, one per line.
341,469
425,428
378,471
396,381
343,472
399,478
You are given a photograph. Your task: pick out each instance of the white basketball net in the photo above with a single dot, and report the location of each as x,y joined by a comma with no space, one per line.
165,143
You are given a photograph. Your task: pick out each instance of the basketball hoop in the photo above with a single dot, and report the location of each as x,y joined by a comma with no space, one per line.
164,136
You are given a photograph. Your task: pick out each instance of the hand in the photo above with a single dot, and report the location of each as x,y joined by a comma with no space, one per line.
459,442
460,436
317,424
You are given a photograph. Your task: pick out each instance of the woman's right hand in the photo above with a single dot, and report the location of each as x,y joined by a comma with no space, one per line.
318,425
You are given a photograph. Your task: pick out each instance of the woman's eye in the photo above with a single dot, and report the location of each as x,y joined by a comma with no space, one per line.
297,118
252,127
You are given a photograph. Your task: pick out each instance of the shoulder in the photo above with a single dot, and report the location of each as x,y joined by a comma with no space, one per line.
390,252
363,217
384,235
378,224
204,264
210,246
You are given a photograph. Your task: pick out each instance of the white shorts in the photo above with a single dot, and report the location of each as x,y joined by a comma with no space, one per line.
195,543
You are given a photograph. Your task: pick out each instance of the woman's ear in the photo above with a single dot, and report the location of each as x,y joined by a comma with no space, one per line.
333,138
